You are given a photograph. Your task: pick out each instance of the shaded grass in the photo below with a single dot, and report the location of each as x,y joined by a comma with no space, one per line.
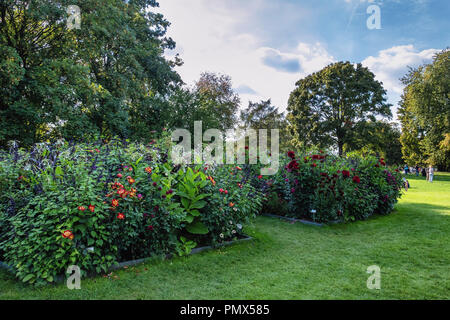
297,261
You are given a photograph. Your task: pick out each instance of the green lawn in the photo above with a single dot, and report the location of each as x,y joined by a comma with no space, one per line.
296,261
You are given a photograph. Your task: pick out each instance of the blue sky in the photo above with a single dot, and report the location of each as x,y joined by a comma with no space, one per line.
266,46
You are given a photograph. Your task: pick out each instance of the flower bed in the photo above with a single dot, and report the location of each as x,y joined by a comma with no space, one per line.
94,205
324,188
97,204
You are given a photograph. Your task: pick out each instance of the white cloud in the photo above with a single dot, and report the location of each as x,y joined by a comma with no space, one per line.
209,38
392,64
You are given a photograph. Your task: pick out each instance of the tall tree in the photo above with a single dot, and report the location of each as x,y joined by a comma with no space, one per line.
328,106
425,113
262,115
108,77
218,101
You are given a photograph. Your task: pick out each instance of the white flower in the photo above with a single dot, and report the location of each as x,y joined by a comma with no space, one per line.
231,222
221,235
313,211
239,226
234,231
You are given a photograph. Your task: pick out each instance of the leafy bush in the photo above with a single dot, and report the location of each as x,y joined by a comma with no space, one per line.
324,188
96,204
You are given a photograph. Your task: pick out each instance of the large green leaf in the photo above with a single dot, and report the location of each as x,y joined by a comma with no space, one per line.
198,205
28,277
185,202
197,228
195,213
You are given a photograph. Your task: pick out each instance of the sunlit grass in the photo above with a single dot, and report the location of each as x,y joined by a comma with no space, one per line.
296,261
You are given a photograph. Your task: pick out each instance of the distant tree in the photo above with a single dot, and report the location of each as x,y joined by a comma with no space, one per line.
218,102
262,115
425,113
379,138
327,107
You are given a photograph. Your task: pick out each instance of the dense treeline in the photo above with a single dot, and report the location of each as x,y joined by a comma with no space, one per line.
111,77
108,77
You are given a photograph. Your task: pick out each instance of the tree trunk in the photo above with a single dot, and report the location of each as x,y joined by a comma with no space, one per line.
340,147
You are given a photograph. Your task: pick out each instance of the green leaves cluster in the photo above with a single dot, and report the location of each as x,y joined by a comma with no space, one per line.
109,77
425,114
333,107
161,208
189,190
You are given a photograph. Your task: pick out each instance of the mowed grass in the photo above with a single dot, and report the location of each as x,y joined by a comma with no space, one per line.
296,261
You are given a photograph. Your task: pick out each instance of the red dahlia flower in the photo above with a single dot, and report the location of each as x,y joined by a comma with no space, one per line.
91,208
115,202
120,216
345,173
293,165
81,208
68,235
291,154
356,179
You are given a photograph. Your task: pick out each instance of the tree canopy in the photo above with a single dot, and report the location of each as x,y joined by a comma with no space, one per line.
331,108
425,113
108,77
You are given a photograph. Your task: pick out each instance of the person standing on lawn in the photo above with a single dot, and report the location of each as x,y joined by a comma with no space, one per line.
417,170
430,173
406,169
424,172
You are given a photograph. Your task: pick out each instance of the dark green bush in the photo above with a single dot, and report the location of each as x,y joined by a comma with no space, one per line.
324,188
96,204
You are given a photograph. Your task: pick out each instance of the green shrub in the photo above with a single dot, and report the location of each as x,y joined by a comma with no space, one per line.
96,204
324,188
